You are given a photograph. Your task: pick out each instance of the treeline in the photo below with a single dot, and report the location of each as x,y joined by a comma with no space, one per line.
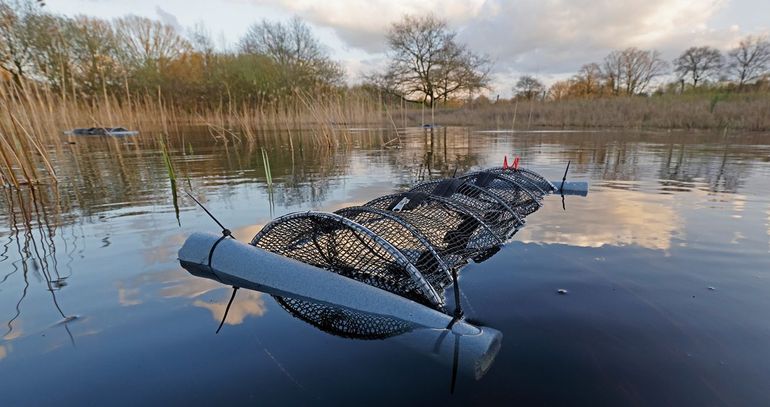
87,58
634,71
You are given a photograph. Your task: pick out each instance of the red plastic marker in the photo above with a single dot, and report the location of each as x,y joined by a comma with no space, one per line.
516,164
505,163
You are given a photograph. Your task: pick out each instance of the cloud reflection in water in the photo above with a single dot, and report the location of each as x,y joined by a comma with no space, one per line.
247,303
615,217
175,283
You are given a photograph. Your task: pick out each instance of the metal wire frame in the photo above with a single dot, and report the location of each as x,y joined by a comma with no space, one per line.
455,231
343,246
521,198
410,243
471,195
413,243
522,181
527,177
387,202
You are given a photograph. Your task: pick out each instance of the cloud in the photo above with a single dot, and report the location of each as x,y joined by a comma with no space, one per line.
558,36
548,37
169,19
362,24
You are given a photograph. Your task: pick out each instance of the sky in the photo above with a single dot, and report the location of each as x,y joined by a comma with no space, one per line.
550,39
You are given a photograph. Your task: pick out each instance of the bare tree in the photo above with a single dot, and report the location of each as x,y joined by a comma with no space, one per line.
51,48
427,63
93,53
588,81
630,71
87,58
200,38
528,87
146,43
460,70
560,90
750,59
293,47
699,63
17,36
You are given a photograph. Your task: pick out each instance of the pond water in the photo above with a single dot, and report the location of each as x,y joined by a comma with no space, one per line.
666,264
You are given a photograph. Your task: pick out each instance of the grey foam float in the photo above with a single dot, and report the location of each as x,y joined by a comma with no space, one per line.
246,266
579,188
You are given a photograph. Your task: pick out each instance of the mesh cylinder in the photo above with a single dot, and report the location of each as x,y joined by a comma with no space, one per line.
408,243
335,243
343,322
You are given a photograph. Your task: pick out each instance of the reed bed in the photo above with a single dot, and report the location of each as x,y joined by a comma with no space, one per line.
736,111
33,117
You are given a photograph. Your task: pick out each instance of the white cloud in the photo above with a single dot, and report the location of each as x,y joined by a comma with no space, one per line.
555,36
513,29
548,38
362,24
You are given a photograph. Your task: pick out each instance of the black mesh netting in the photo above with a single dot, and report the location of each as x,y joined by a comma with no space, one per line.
342,321
408,243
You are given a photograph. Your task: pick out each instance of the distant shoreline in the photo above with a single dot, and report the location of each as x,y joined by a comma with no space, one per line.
744,112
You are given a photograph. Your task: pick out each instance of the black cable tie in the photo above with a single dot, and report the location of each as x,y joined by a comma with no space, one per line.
454,319
214,246
564,179
227,309
458,312
224,229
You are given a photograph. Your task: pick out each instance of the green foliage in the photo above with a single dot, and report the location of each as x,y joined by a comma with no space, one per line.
715,99
167,161
268,174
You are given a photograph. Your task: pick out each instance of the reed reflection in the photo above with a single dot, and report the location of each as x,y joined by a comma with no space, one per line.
31,252
100,176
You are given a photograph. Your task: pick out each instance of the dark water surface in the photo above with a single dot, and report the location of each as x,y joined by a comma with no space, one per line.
666,264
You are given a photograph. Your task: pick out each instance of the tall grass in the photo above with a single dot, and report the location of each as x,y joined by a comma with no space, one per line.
738,111
268,173
33,116
171,178
167,161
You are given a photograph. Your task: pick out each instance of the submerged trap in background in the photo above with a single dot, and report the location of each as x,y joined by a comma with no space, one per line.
101,131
